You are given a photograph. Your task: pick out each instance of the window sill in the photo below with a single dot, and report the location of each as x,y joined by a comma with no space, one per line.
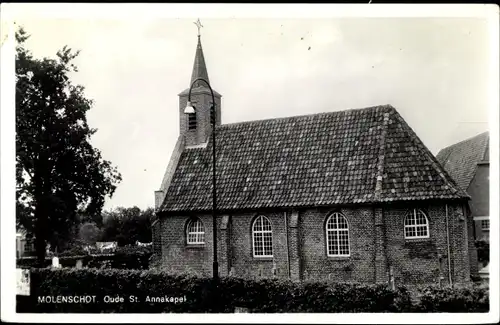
195,246
417,240
339,258
263,258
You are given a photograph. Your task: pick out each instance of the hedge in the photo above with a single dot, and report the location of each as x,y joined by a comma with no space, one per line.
202,295
127,257
475,299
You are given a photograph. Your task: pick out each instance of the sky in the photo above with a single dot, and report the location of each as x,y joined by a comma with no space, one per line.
434,71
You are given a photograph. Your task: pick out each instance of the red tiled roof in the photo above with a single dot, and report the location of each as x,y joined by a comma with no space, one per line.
460,160
353,156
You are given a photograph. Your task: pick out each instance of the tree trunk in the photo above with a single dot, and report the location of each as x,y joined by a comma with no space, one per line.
42,192
40,232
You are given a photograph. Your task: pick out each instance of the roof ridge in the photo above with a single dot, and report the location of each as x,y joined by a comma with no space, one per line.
434,162
379,181
466,140
227,125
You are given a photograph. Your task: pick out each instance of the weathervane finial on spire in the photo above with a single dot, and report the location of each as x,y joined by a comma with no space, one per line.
199,25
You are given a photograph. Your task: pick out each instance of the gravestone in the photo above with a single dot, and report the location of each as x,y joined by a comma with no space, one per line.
240,310
23,282
55,262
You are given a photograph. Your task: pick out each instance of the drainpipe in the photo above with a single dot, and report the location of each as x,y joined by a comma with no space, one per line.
448,246
286,243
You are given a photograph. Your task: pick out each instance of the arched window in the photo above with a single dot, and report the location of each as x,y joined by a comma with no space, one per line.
416,225
337,235
195,232
262,235
212,114
192,121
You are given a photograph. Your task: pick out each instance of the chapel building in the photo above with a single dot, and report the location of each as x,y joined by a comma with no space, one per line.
350,196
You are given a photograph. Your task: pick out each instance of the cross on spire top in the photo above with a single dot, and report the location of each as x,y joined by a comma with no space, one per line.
199,25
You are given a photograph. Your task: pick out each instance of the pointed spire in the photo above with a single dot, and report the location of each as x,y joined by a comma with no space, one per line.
199,67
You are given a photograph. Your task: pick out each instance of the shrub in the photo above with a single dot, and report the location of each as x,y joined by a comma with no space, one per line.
30,262
457,300
483,251
203,295
73,251
127,257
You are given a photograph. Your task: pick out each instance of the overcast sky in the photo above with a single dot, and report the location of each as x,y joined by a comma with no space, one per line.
434,71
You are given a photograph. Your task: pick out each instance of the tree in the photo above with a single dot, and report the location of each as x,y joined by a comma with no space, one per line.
127,225
59,174
89,233
483,252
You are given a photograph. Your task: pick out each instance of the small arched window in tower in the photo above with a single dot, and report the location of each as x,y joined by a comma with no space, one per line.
192,121
212,114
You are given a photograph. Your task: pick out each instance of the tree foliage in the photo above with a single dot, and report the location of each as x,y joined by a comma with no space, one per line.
89,233
127,225
483,252
59,174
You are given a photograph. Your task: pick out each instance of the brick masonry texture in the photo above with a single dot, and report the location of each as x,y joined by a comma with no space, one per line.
372,252
317,265
177,256
201,100
426,260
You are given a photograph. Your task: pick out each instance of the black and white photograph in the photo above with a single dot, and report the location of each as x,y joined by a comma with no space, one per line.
291,163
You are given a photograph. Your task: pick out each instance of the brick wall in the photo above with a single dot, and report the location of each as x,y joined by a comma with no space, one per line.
201,101
377,243
177,256
479,191
237,257
316,264
243,263
416,261
473,262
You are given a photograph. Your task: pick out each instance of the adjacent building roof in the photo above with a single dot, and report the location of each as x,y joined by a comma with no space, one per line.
353,156
460,160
